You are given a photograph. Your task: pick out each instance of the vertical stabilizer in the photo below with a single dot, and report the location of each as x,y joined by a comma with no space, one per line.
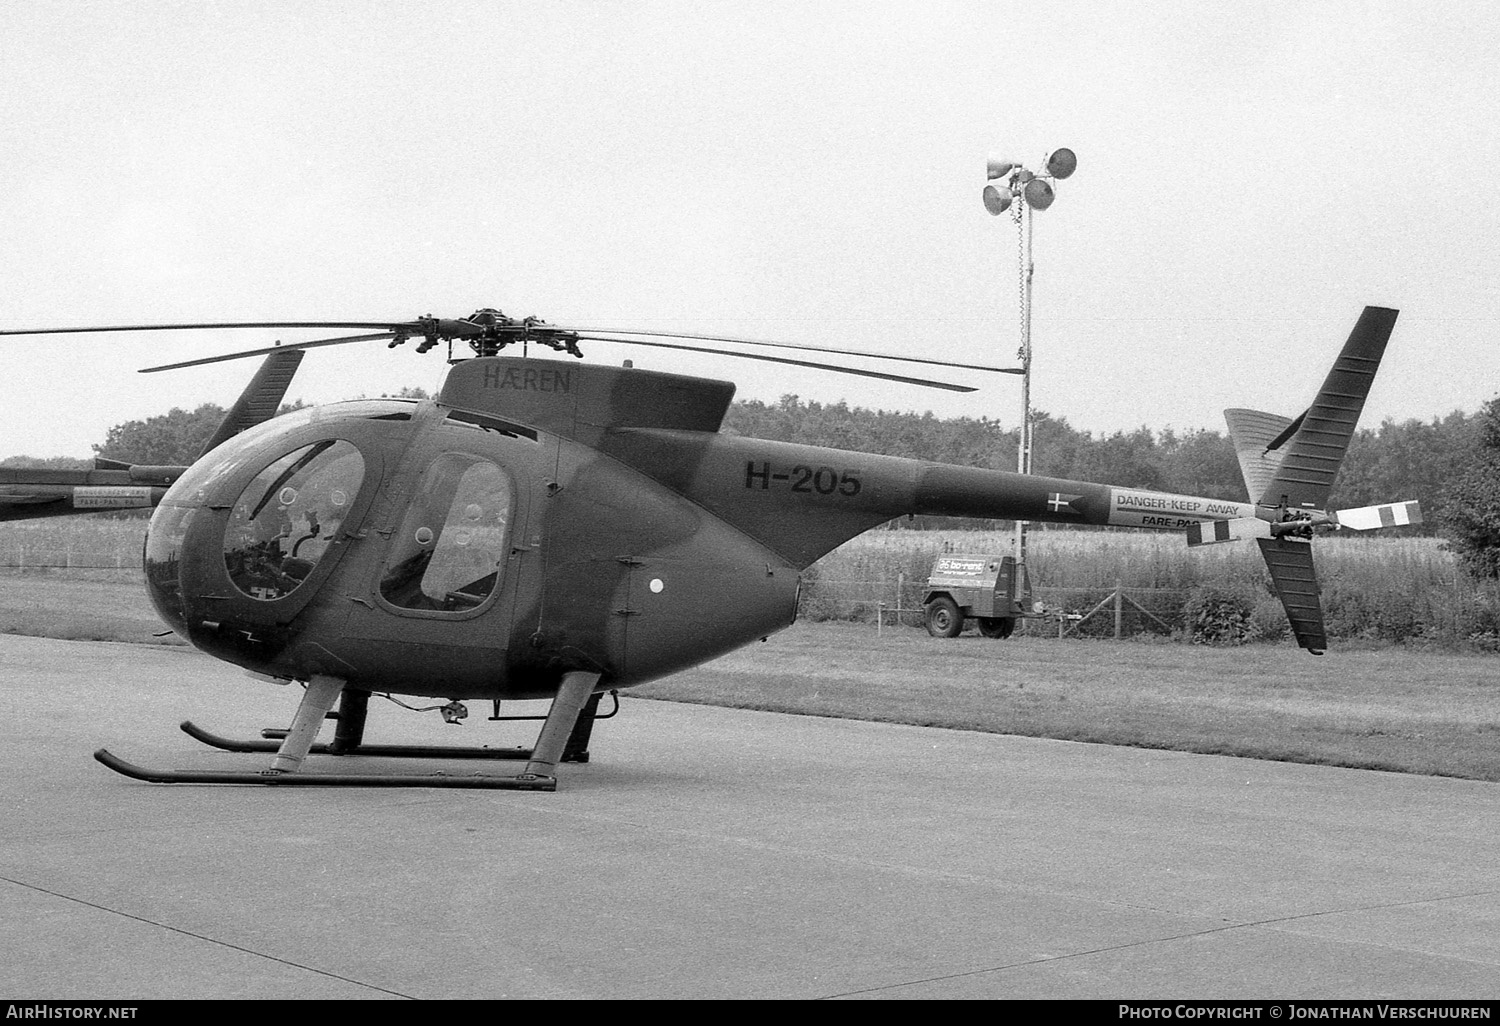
1291,564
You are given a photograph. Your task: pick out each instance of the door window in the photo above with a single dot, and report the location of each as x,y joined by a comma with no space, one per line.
451,547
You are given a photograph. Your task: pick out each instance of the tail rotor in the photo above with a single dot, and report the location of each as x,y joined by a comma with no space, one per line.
1289,465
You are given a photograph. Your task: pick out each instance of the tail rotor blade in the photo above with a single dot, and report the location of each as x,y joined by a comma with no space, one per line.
1372,518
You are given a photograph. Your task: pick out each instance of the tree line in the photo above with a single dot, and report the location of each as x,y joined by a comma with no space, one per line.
1450,464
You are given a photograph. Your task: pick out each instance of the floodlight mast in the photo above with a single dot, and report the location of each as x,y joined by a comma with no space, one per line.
1021,192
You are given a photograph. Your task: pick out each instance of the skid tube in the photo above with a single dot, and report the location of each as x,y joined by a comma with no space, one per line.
278,778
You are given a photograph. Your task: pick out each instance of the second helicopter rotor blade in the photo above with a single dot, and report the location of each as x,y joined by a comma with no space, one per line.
926,382
244,354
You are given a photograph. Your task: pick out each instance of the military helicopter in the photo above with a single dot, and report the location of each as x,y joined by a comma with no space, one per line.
546,529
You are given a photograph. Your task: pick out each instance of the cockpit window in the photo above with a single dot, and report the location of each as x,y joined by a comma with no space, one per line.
287,518
450,548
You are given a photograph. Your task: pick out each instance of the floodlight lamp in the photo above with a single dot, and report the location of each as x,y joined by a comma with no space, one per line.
1061,163
1039,194
998,168
996,201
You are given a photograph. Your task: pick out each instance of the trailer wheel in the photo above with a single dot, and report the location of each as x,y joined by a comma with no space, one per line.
944,619
997,626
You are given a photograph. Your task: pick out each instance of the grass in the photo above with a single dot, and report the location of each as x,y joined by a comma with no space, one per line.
1391,709
79,605
91,541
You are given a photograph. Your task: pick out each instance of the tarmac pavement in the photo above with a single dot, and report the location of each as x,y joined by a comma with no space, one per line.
710,853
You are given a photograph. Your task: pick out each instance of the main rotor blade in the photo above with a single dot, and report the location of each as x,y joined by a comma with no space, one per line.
268,349
386,325
787,360
787,345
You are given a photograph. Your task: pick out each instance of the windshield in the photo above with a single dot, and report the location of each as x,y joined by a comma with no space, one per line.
286,519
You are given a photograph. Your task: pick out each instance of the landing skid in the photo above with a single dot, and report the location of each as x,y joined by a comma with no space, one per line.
564,737
282,778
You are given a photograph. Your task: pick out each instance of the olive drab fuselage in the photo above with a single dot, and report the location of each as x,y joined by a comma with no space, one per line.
588,565
539,518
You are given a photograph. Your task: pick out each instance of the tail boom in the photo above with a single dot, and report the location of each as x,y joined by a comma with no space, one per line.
998,494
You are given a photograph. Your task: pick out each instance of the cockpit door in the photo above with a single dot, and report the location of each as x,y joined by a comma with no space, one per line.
438,590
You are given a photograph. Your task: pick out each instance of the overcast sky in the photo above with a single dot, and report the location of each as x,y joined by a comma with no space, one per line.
1250,175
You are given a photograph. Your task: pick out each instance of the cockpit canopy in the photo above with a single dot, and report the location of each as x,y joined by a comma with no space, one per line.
246,534
271,504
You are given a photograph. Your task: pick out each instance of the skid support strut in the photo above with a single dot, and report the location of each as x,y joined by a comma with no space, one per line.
319,697
574,691
349,728
552,745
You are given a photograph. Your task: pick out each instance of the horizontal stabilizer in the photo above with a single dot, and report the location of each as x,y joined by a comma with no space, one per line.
1371,518
1215,531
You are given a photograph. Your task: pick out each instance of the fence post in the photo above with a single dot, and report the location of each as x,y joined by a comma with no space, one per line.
1119,609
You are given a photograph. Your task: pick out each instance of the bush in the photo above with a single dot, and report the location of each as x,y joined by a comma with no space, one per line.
1471,508
1219,617
1268,620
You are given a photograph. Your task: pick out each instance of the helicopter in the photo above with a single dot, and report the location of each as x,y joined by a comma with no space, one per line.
555,530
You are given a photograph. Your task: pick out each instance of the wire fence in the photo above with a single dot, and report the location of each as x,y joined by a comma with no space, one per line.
28,559
1117,611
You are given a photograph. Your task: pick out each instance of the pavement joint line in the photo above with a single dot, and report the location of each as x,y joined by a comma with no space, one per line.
1174,937
210,940
708,838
